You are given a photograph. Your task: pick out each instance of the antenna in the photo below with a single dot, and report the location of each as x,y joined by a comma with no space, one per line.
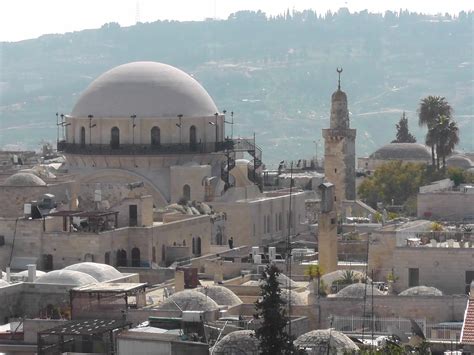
137,12
339,71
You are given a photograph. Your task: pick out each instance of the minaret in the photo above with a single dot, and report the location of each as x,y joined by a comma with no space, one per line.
339,148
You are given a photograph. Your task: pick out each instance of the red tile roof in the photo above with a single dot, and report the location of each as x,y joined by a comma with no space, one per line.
467,334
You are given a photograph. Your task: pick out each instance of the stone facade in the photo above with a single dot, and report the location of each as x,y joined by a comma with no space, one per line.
339,150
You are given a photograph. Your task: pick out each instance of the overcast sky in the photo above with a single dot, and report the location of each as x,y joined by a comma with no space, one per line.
24,19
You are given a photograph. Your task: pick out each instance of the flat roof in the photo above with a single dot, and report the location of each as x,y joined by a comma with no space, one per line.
86,327
112,287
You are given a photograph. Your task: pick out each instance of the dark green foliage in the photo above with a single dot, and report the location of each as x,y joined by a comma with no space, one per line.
394,180
403,134
443,134
272,310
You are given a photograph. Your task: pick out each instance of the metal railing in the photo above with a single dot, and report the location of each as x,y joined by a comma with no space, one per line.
449,331
145,149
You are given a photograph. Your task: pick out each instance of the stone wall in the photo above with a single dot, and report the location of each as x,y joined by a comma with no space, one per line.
448,205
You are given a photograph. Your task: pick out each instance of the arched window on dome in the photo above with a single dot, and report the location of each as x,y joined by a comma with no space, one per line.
187,192
115,138
83,137
155,137
192,138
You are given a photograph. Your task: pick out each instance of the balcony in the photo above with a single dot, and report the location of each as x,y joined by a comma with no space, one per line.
144,149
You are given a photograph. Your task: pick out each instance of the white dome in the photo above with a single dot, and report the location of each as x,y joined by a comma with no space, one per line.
221,295
188,300
24,179
358,290
66,277
144,89
101,272
421,291
318,341
237,343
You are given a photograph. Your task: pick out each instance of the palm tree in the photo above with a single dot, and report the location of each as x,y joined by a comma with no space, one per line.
315,271
430,109
448,137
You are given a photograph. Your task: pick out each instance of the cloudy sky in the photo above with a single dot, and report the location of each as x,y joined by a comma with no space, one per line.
24,19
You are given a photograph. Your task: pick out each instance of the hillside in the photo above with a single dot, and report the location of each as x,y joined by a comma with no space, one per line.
276,74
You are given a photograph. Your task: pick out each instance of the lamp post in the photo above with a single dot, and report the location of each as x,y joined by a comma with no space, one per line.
90,128
231,122
180,126
216,115
133,128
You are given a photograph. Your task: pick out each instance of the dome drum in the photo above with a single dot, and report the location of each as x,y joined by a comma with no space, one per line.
144,108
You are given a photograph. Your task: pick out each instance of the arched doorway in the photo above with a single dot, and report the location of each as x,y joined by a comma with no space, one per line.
163,254
121,258
192,138
115,138
155,137
48,262
135,257
198,246
89,258
83,137
187,192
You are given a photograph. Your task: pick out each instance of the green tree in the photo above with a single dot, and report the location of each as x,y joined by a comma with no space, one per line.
431,108
403,134
447,133
395,181
271,309
315,271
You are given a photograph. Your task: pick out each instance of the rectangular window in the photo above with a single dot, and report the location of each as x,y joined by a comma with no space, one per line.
133,215
469,277
413,277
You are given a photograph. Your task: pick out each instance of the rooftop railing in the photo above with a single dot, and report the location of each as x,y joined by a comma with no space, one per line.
144,149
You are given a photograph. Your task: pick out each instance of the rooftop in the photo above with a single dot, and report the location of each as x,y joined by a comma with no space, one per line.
86,327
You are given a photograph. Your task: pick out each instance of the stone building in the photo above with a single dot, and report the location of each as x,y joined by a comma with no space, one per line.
339,149
405,152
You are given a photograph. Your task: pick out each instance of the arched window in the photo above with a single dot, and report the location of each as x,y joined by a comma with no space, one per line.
192,138
121,258
89,257
187,192
163,254
198,246
155,137
48,262
153,254
107,258
83,137
194,247
115,138
135,257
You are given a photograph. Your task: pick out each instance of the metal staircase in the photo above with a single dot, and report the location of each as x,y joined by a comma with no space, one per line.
243,145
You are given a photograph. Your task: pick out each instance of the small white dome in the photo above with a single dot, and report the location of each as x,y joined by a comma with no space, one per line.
101,272
24,179
421,291
358,291
144,89
238,343
221,295
318,341
188,300
297,299
66,277
459,161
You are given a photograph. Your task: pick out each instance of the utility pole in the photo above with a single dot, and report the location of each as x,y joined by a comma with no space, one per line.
90,128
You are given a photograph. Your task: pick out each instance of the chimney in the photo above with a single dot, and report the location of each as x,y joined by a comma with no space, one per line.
31,272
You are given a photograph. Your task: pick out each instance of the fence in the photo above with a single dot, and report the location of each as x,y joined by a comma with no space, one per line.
449,331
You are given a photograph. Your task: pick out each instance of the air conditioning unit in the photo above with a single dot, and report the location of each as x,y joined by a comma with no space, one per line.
260,269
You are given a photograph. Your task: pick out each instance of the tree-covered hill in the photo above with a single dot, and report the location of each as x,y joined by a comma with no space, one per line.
276,74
